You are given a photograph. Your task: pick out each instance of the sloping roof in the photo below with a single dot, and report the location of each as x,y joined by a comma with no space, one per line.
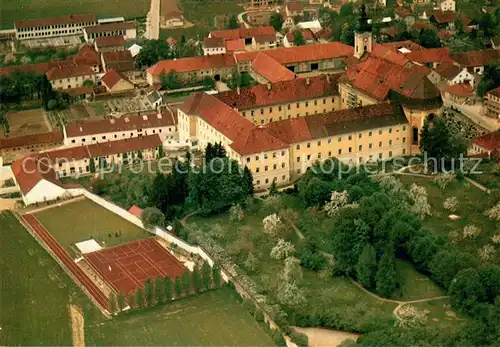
193,64
281,92
111,78
77,91
235,45
271,70
243,33
408,44
173,15
377,77
265,38
132,144
402,12
448,70
33,139
62,20
109,27
460,89
30,170
314,52
66,71
430,55
134,49
489,141
153,120
87,55
444,35
390,54
110,41
422,25
476,58
337,122
443,17
494,92
213,42
120,61
136,211
294,6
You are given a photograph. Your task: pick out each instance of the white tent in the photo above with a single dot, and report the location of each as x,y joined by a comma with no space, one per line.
134,49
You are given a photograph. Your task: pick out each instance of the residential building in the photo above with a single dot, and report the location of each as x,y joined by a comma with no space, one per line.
493,103
162,123
109,43
431,57
453,74
53,27
475,61
172,19
264,70
261,3
459,93
127,30
12,148
294,9
116,83
264,42
70,76
247,34
281,151
447,5
402,13
295,98
214,45
120,61
363,38
309,39
235,46
443,20
313,25
488,144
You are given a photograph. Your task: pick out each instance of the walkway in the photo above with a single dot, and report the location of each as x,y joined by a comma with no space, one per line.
63,258
153,21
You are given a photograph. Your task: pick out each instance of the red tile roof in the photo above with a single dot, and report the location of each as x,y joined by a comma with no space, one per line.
193,64
30,170
67,71
476,58
33,139
314,52
390,54
110,41
136,211
294,6
306,34
494,92
109,27
408,44
246,137
445,34
448,70
120,61
282,92
422,25
402,12
80,91
489,141
174,14
75,18
119,124
265,38
391,31
443,17
213,42
87,55
111,78
271,70
139,143
431,55
460,89
235,45
243,33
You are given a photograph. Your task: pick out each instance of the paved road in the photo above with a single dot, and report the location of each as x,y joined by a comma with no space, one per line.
65,258
153,21
474,113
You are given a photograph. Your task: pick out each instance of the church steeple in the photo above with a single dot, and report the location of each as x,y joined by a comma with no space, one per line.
363,38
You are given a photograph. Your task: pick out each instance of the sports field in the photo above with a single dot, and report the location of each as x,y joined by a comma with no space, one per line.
214,318
84,219
14,10
34,291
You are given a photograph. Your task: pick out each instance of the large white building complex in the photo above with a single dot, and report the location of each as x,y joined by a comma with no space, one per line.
53,27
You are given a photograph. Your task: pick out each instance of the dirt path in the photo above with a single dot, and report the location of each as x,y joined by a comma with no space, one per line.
321,337
77,326
47,121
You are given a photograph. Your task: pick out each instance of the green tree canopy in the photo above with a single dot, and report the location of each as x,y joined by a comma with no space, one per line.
276,21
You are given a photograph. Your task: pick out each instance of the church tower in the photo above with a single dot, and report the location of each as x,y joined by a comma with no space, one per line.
363,38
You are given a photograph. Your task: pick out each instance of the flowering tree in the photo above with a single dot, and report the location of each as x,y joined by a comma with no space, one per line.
289,294
409,316
337,201
443,179
273,224
391,185
418,196
496,239
471,231
292,271
236,213
494,212
282,250
451,204
251,262
487,252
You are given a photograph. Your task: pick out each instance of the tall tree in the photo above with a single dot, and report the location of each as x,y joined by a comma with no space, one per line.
168,288
276,21
152,217
429,39
178,287
386,278
153,51
170,80
206,275
149,292
233,22
121,301
139,297
248,180
298,38
159,291
216,276
366,268
186,282
112,303
197,280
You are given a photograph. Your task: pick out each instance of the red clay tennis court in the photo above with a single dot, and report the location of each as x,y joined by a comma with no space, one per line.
128,266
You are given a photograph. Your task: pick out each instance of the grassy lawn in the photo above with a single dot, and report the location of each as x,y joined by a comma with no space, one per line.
100,108
440,313
34,291
14,10
81,220
473,203
214,318
414,285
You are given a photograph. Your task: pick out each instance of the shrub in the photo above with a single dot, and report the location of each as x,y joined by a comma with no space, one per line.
487,252
496,239
494,212
292,272
443,179
236,213
471,231
251,262
410,316
301,340
418,195
451,204
273,224
289,294
337,201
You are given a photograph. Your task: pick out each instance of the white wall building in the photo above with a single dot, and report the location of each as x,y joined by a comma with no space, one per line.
447,5
53,27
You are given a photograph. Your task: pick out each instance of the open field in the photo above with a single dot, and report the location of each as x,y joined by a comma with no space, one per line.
26,122
214,318
473,202
414,285
84,219
14,10
34,291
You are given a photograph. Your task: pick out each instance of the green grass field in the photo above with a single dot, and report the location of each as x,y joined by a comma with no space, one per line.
83,219
214,318
34,291
473,203
414,285
14,10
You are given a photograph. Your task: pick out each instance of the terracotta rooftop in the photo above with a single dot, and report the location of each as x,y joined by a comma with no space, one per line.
80,91
126,145
213,42
391,31
33,139
66,71
402,12
173,14
110,41
476,58
281,92
430,55
136,211
120,61
448,70
243,33
390,54
265,38
422,25
294,6
271,70
319,51
494,92
489,141
193,64
460,89
338,122
443,17
30,170
109,27
408,44
445,34
235,45
75,18
111,78
307,34
377,77
152,120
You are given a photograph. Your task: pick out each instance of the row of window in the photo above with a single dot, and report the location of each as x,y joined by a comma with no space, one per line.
123,135
106,33
360,135
275,179
56,26
339,152
288,106
49,33
266,168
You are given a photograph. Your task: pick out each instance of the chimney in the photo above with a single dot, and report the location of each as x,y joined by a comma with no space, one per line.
238,90
268,86
308,81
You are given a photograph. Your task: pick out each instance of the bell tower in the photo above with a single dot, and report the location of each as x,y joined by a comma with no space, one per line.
363,38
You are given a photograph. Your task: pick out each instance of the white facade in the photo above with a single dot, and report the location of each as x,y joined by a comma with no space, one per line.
214,50
314,25
447,6
128,33
56,30
43,191
462,77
